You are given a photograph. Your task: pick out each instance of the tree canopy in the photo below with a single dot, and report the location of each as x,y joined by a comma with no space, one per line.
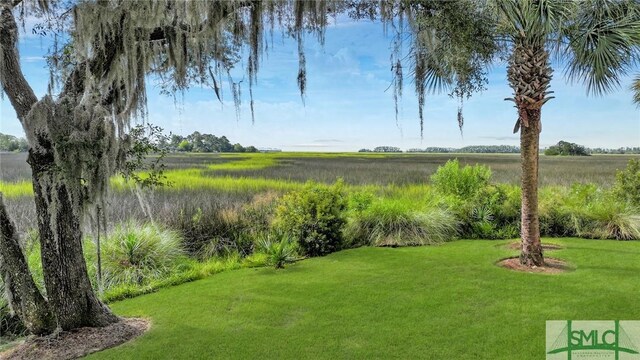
566,149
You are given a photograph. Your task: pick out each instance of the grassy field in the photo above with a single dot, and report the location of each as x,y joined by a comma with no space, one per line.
438,302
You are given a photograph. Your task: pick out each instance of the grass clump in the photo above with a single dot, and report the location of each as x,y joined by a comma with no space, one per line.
314,217
138,253
397,223
608,220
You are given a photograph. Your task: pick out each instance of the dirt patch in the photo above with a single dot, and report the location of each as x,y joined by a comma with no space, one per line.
517,246
77,343
551,266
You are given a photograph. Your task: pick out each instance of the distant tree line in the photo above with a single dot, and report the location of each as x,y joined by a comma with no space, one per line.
196,142
12,143
561,148
203,143
493,149
383,149
487,149
565,148
622,150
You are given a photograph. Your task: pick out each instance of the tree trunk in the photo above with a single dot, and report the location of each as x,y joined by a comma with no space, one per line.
530,226
25,300
69,290
71,298
529,75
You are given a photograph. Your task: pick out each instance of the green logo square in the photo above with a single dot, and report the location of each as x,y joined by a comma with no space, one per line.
593,339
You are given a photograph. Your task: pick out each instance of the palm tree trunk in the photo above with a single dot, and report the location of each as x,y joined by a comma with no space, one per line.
531,254
529,75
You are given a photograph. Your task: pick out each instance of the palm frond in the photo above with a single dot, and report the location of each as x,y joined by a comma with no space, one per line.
635,87
534,22
603,40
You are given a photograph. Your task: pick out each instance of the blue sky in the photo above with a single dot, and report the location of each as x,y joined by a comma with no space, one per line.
347,108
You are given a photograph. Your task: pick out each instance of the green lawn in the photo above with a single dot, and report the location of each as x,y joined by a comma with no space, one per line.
436,302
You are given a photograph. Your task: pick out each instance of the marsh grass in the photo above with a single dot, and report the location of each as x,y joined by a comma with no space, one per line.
359,168
394,222
250,163
404,169
16,189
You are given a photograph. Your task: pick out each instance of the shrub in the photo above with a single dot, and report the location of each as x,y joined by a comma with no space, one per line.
279,250
465,182
396,223
136,254
360,200
627,185
555,209
493,212
314,217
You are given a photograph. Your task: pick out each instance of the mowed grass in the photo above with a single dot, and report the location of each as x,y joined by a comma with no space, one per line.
436,302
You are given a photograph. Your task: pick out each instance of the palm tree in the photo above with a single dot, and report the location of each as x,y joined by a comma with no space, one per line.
453,43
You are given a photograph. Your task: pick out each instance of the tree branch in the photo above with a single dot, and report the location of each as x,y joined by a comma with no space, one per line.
12,79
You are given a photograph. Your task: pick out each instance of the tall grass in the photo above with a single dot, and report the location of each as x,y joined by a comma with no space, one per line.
138,253
398,223
607,220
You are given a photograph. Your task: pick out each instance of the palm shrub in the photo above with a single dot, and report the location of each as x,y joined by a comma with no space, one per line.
314,217
482,223
279,250
397,223
137,253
